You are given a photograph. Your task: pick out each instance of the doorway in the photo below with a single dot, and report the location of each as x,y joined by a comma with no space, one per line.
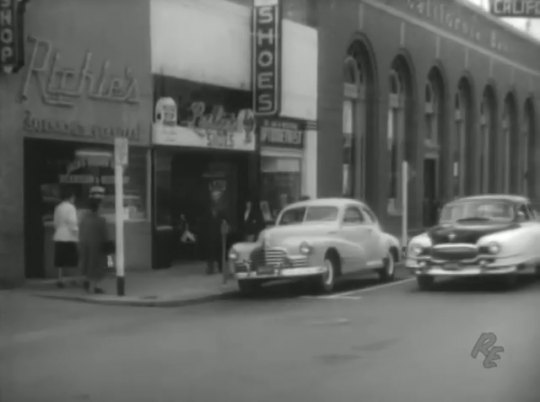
431,202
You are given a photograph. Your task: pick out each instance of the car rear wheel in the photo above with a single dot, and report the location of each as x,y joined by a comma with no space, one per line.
248,287
387,273
325,282
425,282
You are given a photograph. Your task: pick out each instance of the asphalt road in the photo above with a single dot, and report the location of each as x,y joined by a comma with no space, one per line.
386,344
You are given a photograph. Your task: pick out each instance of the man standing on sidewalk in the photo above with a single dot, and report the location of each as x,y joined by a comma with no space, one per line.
213,238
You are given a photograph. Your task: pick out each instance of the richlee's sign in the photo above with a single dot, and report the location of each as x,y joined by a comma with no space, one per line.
266,57
11,35
515,8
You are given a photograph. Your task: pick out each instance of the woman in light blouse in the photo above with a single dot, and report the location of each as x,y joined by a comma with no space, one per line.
66,236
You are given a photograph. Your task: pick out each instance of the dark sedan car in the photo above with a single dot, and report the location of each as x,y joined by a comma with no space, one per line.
479,236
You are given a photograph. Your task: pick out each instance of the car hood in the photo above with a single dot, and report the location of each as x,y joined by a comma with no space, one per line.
279,234
466,232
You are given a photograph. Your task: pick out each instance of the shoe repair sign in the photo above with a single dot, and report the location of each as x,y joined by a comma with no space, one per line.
266,57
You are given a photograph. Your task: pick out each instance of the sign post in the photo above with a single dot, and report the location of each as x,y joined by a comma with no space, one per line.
224,266
405,204
121,152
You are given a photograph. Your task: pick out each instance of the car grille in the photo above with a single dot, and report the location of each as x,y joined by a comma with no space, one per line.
454,253
276,256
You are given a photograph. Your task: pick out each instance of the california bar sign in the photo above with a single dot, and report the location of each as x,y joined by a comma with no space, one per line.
515,8
266,57
11,33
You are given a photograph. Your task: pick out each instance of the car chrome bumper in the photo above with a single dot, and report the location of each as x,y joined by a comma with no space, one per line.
280,273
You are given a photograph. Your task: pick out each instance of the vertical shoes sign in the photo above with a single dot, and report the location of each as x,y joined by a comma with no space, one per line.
266,36
12,35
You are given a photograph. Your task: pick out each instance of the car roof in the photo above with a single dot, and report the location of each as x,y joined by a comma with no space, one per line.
330,201
494,197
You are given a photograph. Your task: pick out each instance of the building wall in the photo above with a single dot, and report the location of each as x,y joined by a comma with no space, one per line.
69,29
391,28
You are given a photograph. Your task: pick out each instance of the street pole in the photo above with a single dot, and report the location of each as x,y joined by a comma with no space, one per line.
121,157
405,204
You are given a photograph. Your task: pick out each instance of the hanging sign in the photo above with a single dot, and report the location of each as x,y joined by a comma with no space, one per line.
282,133
266,57
11,35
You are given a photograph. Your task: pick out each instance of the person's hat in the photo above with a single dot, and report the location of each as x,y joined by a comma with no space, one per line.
97,192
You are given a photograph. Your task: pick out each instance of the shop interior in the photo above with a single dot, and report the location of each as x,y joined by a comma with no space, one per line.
184,182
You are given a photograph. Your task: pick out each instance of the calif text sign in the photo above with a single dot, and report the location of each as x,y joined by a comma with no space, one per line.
515,8
266,57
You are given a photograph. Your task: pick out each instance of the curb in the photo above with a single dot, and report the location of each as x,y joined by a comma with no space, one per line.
139,302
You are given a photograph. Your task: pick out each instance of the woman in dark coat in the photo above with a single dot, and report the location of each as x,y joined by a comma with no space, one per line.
93,241
212,239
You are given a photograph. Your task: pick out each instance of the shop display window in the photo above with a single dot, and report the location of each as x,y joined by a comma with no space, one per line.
281,182
56,165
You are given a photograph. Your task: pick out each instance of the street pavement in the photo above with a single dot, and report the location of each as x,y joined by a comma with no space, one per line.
367,343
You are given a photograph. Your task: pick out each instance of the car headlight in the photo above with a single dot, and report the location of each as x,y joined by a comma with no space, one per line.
494,248
415,249
305,248
233,255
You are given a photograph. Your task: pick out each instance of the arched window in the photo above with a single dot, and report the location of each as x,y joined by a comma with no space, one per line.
350,94
460,122
354,123
505,146
395,134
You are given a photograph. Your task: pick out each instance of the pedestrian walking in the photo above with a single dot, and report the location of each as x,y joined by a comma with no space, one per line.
213,240
94,243
66,235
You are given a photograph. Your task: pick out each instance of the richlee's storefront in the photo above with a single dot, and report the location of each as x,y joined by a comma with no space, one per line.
79,89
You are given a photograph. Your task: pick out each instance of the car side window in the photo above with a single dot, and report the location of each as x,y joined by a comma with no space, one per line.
524,213
370,216
532,213
353,216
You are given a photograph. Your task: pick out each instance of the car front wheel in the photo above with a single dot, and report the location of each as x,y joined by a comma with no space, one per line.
387,273
425,282
325,282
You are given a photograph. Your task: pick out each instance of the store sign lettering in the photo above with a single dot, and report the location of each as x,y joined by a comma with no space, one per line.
282,133
444,15
37,125
62,86
10,28
515,8
266,56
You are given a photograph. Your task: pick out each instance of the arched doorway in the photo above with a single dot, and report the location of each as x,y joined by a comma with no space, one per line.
359,114
463,146
400,146
509,146
527,154
434,120
488,141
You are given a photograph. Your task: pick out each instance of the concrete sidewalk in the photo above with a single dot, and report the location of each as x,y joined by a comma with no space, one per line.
176,286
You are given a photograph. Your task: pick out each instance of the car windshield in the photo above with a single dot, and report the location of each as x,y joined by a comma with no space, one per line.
295,216
499,211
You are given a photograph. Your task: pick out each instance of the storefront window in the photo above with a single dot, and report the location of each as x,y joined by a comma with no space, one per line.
281,182
79,167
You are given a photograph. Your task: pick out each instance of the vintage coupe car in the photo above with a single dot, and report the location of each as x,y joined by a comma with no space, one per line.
317,240
478,236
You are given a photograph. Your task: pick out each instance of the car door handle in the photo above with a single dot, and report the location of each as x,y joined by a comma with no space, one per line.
332,232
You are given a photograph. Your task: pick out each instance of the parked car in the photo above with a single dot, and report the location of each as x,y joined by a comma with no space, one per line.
485,235
316,240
